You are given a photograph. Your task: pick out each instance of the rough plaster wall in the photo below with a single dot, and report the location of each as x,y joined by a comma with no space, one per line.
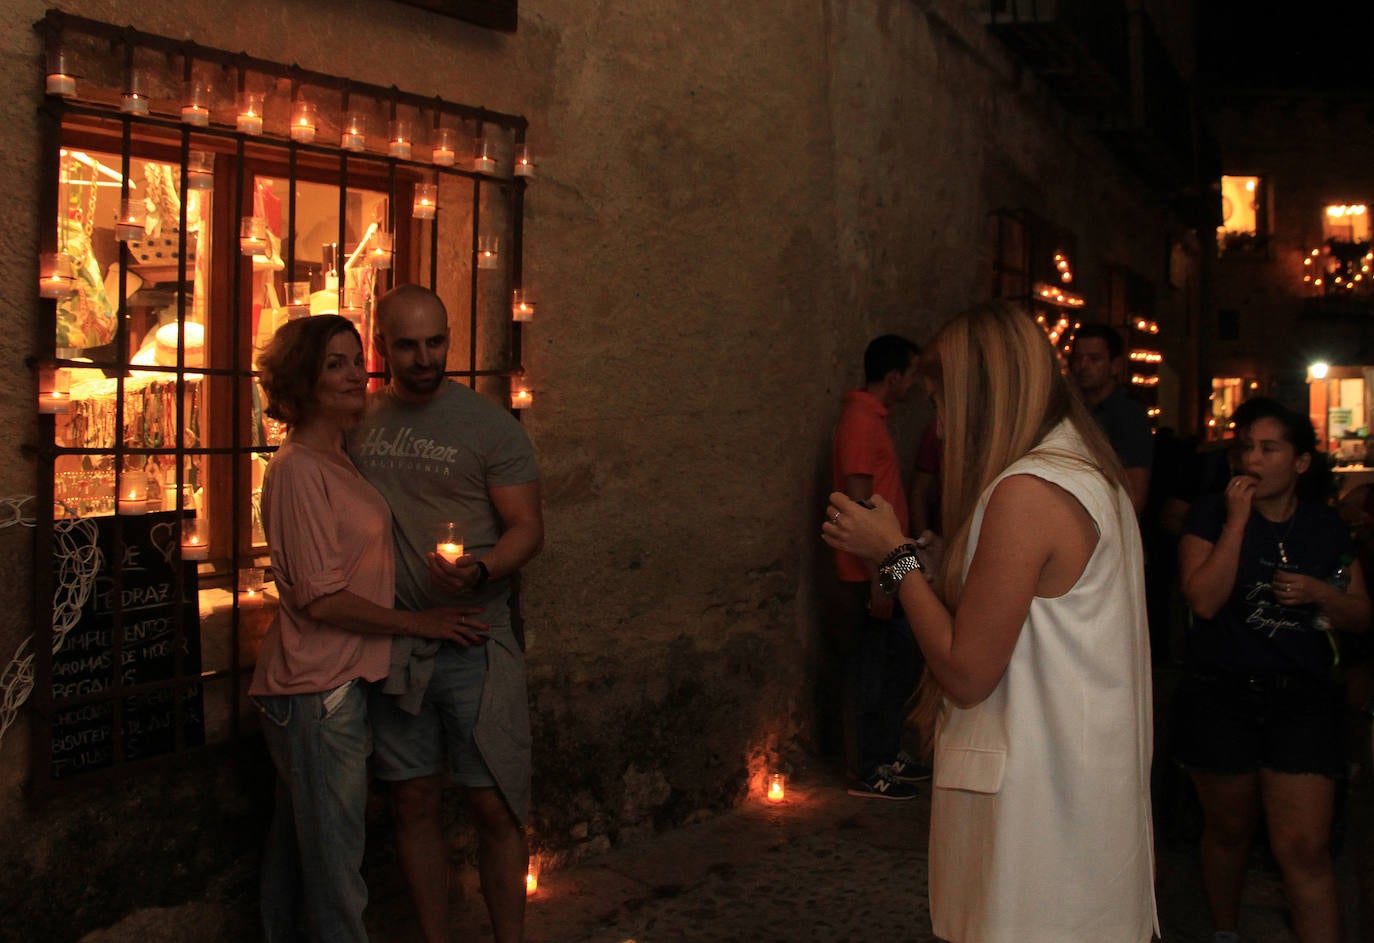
732,199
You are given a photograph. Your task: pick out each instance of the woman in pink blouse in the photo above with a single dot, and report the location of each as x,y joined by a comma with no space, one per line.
329,534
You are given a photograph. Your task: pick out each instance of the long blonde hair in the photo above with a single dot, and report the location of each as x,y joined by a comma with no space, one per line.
1000,388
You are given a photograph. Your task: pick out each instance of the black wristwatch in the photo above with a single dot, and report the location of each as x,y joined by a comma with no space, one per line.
895,566
483,574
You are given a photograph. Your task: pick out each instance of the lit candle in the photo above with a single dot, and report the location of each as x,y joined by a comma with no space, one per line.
488,252
195,108
450,544
133,496
521,398
354,137
252,235
426,201
524,163
484,161
249,119
129,222
520,309
195,540
444,154
200,170
135,100
60,80
250,587
55,275
532,878
297,300
776,792
303,122
379,254
54,390
399,138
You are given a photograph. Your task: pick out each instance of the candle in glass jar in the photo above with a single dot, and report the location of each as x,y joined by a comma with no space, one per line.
444,154
524,163
379,253
484,158
55,275
488,252
133,497
129,222
200,170
135,99
195,107
54,390
249,119
354,137
450,543
195,540
399,139
303,123
521,398
250,587
59,80
426,201
521,309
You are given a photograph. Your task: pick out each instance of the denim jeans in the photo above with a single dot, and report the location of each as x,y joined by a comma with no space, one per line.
882,674
312,866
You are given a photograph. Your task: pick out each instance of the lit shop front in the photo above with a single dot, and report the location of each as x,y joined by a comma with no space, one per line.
196,200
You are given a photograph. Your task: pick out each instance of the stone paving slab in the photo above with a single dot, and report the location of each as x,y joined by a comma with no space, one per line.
824,867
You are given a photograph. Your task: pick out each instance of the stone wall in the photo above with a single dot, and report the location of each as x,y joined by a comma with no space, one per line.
732,199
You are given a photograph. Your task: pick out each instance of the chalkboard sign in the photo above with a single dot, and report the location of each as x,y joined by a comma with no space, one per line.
83,736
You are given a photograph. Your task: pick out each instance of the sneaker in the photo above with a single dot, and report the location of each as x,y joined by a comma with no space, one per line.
881,786
905,769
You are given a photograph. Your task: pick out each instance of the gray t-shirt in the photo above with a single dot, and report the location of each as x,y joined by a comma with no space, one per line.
433,462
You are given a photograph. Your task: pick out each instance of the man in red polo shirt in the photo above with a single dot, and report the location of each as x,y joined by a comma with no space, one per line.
882,665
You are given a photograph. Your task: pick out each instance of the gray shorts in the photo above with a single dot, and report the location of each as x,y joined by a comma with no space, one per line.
410,746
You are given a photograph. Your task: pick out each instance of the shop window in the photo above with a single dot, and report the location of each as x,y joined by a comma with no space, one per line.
1241,214
195,201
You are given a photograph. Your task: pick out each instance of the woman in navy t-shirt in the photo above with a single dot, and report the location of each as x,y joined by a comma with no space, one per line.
1260,711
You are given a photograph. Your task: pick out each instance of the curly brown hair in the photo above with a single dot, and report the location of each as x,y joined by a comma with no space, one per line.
289,366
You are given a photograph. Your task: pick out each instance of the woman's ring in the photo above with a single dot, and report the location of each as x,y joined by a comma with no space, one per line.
836,518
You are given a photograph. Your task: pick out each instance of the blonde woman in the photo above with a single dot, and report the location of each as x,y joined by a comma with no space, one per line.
1036,647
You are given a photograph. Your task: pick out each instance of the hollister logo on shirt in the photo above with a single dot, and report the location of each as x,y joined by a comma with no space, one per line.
381,443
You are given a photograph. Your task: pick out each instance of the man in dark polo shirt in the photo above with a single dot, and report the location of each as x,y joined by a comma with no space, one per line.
1096,363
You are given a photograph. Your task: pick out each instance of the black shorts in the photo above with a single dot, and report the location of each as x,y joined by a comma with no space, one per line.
1236,723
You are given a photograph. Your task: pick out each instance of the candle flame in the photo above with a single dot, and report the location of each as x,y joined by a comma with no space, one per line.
775,788
531,883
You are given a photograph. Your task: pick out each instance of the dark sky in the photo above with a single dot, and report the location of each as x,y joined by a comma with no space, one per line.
1310,45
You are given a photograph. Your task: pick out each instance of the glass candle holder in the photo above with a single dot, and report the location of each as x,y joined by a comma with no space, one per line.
399,139
521,397
250,587
521,309
249,120
200,170
532,877
449,543
253,235
444,151
379,251
354,136
133,494
484,156
426,201
56,276
129,222
304,121
59,79
195,105
524,162
777,790
135,100
54,390
195,539
488,251
297,300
